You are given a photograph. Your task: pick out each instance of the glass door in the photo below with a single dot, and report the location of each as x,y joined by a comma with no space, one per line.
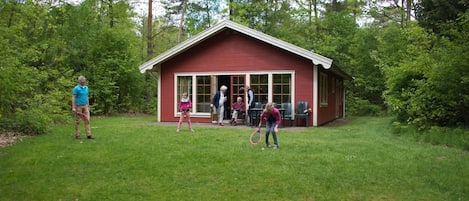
237,87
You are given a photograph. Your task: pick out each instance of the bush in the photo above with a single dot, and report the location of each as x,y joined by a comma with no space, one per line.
29,122
451,137
360,107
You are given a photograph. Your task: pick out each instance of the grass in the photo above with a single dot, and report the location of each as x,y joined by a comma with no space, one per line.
135,159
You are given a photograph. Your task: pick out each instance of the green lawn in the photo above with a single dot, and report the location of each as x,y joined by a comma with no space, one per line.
133,158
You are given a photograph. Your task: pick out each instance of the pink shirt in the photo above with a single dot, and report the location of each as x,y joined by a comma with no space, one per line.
185,104
238,106
275,113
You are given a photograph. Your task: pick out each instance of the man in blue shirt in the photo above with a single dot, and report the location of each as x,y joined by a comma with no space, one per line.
80,106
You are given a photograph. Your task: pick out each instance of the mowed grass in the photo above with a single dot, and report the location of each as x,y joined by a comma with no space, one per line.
133,158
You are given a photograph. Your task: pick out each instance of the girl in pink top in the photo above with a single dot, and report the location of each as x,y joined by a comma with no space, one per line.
273,119
184,107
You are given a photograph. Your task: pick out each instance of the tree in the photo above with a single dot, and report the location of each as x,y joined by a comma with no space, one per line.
201,15
385,12
438,14
48,44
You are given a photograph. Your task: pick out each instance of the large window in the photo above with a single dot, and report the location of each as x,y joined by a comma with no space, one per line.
203,94
323,93
184,86
281,88
275,87
259,84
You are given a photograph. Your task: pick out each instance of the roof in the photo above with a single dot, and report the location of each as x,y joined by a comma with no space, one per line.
315,58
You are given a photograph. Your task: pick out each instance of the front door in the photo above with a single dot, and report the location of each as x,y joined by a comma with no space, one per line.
235,84
237,87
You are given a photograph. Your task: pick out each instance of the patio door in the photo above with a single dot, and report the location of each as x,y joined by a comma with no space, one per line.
237,83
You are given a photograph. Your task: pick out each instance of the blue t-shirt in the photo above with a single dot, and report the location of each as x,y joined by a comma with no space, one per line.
81,95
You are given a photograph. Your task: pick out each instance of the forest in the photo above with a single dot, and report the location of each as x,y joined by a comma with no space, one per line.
409,58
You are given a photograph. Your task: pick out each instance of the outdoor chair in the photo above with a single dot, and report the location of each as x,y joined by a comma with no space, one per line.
287,113
241,117
302,112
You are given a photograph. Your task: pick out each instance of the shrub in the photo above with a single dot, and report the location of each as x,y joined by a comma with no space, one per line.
28,122
360,107
451,137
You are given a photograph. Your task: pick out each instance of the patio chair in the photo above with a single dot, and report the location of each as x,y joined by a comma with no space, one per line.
287,113
241,117
302,112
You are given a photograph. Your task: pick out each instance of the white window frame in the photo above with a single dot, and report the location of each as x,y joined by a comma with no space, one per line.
323,90
247,80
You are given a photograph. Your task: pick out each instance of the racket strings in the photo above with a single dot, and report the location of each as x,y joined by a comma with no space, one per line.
255,137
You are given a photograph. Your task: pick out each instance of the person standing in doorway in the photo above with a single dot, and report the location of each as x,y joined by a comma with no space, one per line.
218,101
250,104
81,106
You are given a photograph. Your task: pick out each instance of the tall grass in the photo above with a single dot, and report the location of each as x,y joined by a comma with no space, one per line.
135,159
450,137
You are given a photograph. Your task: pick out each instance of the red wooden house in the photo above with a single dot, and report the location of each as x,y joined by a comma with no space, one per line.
234,55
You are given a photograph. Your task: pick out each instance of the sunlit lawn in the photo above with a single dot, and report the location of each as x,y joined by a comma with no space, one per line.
134,158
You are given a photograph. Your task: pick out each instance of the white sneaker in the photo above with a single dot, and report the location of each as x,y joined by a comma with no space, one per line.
275,147
177,130
192,130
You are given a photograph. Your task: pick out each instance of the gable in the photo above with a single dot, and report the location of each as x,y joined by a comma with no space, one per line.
232,51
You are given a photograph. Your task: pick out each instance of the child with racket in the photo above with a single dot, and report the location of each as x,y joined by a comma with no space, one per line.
272,117
184,105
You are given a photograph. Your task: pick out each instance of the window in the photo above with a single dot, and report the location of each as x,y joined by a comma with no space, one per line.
184,85
333,82
203,94
281,88
237,82
323,93
276,87
259,84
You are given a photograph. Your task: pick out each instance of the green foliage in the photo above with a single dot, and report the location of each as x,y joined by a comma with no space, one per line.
46,46
29,122
201,15
435,135
438,15
424,77
362,107
369,80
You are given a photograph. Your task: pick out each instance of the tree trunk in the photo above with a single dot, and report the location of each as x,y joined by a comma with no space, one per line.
150,29
181,22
